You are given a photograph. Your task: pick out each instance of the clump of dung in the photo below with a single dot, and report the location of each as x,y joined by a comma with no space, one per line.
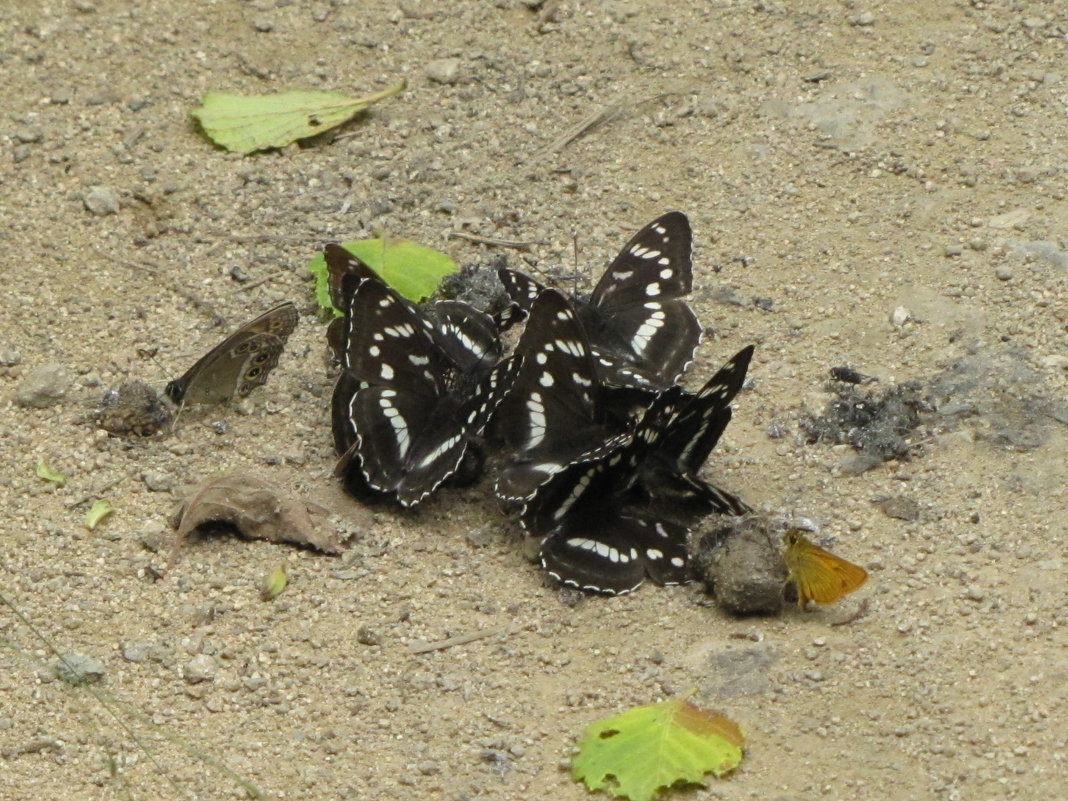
740,562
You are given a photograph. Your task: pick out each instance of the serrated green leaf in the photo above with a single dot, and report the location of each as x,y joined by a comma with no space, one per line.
635,754
415,271
48,474
274,584
97,512
244,124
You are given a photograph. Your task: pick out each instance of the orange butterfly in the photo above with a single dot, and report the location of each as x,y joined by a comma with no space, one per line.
818,574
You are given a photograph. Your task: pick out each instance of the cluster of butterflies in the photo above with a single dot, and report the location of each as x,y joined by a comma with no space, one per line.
599,449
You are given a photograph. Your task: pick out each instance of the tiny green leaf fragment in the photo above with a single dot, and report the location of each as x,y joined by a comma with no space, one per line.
415,271
97,512
244,124
640,752
275,582
48,474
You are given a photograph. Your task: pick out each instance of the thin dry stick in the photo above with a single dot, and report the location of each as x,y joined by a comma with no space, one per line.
258,282
592,122
460,639
493,241
100,490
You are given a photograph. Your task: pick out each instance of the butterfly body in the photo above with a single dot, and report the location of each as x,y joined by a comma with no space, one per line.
238,364
818,574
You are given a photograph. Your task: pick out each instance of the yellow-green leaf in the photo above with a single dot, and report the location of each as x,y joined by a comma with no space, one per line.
244,124
97,512
637,753
48,474
415,271
275,582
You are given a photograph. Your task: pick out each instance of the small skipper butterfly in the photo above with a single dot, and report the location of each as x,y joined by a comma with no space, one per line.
818,574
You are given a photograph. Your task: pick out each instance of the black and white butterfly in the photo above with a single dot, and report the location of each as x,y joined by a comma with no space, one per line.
598,491
572,464
554,411
239,363
641,331
417,387
675,437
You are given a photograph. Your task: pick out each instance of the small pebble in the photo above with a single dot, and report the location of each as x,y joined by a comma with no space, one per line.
29,135
863,19
900,507
80,669
974,593
43,386
9,357
1003,273
157,481
200,668
444,70
952,251
368,636
900,316
101,201
263,24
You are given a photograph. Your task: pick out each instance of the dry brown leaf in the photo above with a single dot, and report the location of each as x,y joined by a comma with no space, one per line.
255,508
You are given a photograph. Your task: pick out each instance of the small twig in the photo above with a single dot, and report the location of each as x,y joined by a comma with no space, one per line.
32,747
100,490
590,123
258,282
493,241
460,639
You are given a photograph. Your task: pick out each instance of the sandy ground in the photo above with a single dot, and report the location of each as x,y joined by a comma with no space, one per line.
838,161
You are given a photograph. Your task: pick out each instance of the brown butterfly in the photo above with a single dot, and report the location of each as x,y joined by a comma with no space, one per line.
818,574
239,363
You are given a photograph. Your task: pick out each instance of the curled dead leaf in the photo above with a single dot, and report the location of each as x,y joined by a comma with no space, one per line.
255,508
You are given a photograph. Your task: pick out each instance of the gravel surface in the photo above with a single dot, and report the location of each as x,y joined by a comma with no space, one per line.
875,185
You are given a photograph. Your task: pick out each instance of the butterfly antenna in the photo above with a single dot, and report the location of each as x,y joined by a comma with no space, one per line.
574,260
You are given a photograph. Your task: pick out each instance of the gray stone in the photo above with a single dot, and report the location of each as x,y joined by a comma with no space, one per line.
101,201
9,357
1047,251
200,668
144,651
80,669
157,482
444,70
43,386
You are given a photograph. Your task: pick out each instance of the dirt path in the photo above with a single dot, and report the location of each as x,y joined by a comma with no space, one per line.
838,161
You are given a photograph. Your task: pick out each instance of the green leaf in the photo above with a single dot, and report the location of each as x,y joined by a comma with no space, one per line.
275,582
97,512
245,124
48,474
635,754
415,271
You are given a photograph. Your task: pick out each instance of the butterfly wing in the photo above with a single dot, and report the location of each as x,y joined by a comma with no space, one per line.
239,363
612,553
468,336
522,289
388,342
552,413
345,272
692,429
555,396
820,575
637,320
